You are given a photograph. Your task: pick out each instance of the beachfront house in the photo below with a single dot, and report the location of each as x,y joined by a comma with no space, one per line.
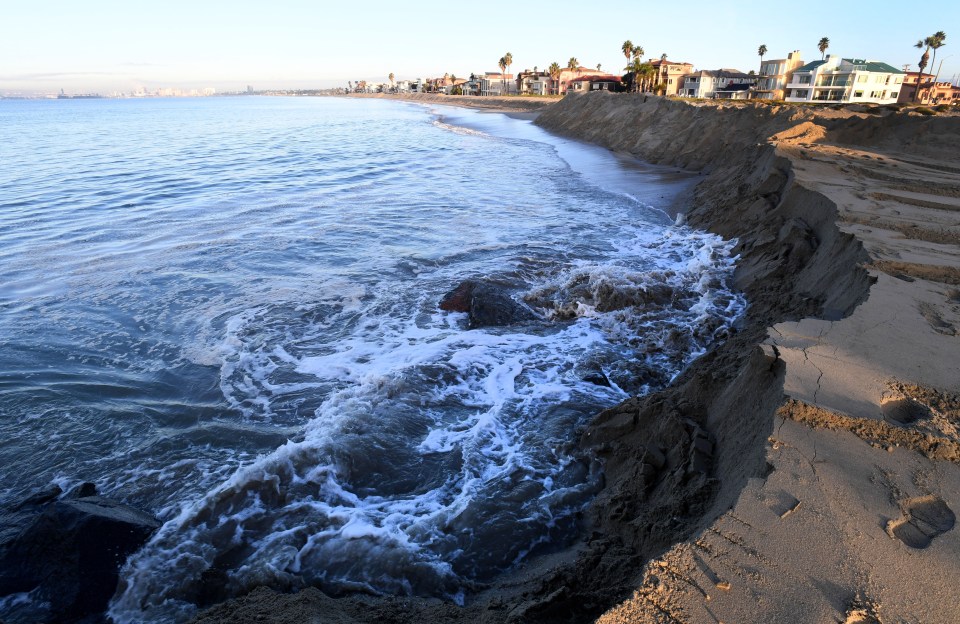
496,83
593,82
534,82
930,93
562,84
774,76
836,79
671,74
717,83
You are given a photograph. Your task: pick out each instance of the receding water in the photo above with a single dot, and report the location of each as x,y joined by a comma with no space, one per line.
224,311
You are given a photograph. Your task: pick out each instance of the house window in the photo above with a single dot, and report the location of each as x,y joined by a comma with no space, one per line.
899,79
858,94
894,95
862,78
804,80
800,93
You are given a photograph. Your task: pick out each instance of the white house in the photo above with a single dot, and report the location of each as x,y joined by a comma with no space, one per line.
706,83
493,83
836,79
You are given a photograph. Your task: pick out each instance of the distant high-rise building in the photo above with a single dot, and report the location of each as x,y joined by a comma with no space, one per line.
249,89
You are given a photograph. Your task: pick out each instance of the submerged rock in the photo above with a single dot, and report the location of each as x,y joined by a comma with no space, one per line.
69,554
487,304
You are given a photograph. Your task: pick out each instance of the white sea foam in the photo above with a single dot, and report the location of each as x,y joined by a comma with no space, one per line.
391,482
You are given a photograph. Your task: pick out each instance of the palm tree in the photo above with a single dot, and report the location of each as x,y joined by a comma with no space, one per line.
391,80
762,50
662,74
627,49
936,42
924,59
508,58
638,53
502,63
573,63
554,71
647,73
636,67
822,46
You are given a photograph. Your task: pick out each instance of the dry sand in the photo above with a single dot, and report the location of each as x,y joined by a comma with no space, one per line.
807,469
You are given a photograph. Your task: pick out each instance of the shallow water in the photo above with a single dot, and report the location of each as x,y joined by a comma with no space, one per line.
225,311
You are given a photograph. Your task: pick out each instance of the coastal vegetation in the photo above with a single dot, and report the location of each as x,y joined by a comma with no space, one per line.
822,45
933,42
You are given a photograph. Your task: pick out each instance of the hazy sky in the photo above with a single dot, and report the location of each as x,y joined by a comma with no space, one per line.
104,45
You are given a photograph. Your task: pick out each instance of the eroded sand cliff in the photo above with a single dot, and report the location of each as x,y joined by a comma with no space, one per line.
806,469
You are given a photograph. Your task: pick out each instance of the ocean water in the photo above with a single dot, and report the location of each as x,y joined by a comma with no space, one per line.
224,311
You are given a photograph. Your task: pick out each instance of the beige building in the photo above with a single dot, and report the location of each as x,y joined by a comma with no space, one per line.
775,75
671,74
534,82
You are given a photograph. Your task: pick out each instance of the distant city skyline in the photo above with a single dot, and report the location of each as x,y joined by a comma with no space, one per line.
108,46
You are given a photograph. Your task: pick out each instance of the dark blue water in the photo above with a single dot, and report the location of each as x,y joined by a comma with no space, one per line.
225,311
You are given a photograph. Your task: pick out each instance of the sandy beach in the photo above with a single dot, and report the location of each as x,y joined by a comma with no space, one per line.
806,470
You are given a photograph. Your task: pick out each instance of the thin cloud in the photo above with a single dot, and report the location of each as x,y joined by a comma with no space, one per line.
58,76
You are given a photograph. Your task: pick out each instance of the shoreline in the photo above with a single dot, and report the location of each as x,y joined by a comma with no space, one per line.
771,475
518,107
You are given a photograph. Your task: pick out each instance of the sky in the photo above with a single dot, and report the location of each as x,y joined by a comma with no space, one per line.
105,46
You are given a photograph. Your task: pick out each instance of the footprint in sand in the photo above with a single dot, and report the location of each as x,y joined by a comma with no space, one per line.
903,411
932,316
924,518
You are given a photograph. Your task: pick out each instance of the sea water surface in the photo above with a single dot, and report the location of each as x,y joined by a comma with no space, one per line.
224,311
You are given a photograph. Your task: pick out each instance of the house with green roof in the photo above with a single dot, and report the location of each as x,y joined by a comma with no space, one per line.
834,80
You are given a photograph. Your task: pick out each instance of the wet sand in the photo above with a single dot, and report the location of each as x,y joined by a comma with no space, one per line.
805,470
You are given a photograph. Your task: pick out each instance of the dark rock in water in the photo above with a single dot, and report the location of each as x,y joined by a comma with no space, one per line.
458,299
40,498
487,304
84,490
71,552
597,378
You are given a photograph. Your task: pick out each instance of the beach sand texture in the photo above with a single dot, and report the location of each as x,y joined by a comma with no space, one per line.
808,469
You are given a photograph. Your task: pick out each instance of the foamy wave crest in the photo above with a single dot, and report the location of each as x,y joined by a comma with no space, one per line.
459,129
440,457
437,456
669,313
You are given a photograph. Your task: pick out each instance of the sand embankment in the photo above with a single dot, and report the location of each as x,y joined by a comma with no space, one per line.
807,469
835,475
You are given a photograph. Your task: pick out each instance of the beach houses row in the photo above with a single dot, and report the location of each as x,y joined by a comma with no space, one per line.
833,79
